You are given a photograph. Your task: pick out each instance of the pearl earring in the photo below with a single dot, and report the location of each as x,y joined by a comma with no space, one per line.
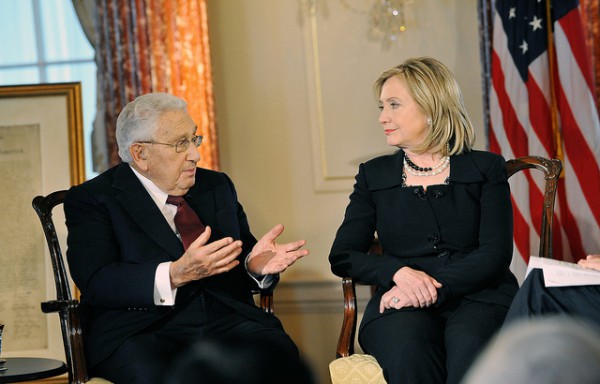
429,121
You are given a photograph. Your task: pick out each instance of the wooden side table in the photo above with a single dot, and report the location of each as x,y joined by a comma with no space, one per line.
30,368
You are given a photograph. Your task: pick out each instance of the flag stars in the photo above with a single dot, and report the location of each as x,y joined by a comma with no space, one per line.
524,47
536,23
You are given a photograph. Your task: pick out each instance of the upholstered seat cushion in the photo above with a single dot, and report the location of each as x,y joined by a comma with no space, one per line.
98,380
356,369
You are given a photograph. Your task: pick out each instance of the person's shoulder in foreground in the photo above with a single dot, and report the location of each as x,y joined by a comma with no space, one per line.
552,349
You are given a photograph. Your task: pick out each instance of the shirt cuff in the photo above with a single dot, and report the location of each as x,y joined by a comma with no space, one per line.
163,293
263,281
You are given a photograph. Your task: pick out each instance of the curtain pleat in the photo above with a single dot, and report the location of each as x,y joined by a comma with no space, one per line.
154,46
85,13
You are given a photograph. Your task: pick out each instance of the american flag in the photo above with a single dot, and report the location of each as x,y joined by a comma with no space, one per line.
521,121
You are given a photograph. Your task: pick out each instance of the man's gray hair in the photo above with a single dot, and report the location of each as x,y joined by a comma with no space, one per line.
541,350
138,119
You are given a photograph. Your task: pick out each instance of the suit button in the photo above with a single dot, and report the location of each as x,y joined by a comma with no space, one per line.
419,193
433,238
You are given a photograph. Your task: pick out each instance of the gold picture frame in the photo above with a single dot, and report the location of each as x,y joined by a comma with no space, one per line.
41,151
30,94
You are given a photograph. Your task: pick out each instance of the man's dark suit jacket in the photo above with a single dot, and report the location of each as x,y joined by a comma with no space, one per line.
117,236
460,233
535,299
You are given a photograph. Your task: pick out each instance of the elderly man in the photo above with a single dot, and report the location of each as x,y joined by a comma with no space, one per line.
162,251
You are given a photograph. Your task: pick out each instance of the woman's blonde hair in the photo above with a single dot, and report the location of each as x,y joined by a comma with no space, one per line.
435,90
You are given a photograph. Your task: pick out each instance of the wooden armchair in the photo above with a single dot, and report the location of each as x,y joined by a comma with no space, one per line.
65,305
351,368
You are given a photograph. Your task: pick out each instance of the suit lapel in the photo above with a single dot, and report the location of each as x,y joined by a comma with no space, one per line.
139,205
464,170
202,200
389,174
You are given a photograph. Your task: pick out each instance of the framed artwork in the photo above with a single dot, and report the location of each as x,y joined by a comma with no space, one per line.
41,150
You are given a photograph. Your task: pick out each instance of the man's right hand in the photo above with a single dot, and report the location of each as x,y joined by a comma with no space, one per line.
202,260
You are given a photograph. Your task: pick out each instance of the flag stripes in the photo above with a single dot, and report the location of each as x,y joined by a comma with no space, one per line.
521,122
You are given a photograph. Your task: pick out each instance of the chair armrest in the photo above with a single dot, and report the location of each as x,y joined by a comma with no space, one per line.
59,305
345,345
266,301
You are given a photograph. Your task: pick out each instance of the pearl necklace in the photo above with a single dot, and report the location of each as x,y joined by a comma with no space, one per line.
415,170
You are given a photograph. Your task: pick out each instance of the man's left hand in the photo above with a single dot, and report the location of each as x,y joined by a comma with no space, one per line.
268,257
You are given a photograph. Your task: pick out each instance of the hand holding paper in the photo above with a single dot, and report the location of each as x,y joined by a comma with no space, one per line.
561,273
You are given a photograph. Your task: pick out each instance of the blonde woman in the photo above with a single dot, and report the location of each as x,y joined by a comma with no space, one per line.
443,216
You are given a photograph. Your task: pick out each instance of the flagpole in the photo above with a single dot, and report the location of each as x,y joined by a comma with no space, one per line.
558,141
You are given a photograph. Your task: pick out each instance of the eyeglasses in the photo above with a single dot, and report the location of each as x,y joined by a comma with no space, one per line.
180,146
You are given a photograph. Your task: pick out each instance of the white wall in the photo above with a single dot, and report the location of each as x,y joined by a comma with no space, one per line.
296,116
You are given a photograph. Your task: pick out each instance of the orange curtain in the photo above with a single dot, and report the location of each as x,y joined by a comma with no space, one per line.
147,46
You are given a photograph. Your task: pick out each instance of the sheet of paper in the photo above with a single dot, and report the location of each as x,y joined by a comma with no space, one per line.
561,273
22,258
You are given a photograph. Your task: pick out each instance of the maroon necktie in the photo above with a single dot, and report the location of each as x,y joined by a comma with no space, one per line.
186,220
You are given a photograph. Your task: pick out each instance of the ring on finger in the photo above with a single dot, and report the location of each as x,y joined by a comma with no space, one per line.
395,299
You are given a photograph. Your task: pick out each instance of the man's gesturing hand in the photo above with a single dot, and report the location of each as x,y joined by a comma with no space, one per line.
268,257
202,260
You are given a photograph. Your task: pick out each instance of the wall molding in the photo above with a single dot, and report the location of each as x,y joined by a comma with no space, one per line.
314,297
340,136
323,182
